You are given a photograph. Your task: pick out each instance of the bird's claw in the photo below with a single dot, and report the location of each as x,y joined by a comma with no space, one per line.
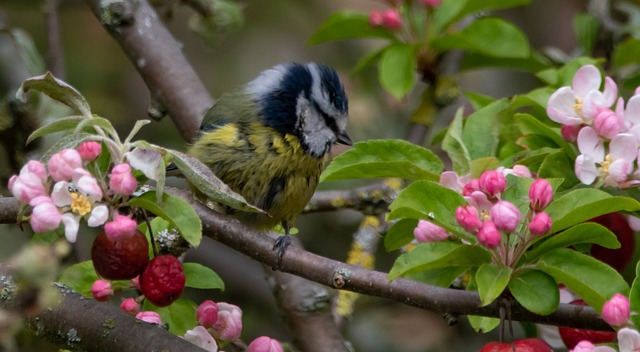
281,245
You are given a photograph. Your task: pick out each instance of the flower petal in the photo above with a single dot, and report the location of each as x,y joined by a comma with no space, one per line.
60,194
99,216
590,144
624,146
628,340
586,79
71,225
560,107
586,170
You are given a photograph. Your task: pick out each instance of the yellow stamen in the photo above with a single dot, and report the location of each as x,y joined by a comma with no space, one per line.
605,163
80,204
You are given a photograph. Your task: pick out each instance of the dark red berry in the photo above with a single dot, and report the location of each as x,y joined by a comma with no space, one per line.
620,257
162,281
121,259
571,336
524,345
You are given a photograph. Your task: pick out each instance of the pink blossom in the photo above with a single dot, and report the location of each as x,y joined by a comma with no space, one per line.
583,346
570,132
505,216
87,184
130,306
467,217
200,337
540,224
616,311
492,183
122,180
30,183
517,170
623,150
540,194
427,231
101,290
149,317
89,150
451,180
391,19
264,344
607,124
376,18
479,200
45,215
488,235
628,340
207,313
229,324
472,186
123,226
62,164
592,152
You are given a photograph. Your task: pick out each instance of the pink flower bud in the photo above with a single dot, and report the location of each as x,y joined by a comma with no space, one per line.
229,324
431,3
200,337
472,186
616,311
570,132
25,187
427,231
149,317
135,282
264,344
467,217
492,182
584,346
123,226
122,180
488,234
35,168
505,216
376,18
62,164
101,290
45,216
540,224
391,19
89,150
607,124
207,313
540,194
130,306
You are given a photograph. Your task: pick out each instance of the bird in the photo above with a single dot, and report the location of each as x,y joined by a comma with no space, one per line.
268,141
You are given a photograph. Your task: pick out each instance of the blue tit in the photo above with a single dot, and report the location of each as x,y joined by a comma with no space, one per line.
268,140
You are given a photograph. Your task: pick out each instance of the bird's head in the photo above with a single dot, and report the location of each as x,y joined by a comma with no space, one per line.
306,100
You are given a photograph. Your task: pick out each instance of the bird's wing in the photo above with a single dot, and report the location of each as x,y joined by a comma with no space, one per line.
233,106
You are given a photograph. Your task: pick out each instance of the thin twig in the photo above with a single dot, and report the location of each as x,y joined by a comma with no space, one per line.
55,58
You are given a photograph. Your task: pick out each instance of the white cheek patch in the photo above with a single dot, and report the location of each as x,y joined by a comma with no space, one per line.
318,94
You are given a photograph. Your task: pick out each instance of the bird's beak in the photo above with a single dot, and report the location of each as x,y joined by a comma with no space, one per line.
343,138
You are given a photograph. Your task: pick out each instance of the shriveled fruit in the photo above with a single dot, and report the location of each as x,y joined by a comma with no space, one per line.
162,281
523,345
120,259
571,336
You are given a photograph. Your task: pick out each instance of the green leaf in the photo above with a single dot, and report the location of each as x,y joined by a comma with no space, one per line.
592,280
583,204
180,316
347,25
97,122
175,210
634,297
483,325
60,124
586,27
397,69
453,144
626,53
564,75
478,100
480,133
58,90
149,161
452,11
199,276
384,158
438,255
68,141
480,165
558,165
206,182
442,277
431,201
400,234
367,60
533,63
588,232
531,125
80,277
491,280
488,36
536,291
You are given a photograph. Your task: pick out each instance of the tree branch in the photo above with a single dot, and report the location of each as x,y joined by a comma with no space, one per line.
372,199
158,59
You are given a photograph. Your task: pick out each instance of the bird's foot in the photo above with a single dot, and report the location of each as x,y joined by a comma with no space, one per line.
281,245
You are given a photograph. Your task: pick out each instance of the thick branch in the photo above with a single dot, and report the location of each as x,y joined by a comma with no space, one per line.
157,56
372,199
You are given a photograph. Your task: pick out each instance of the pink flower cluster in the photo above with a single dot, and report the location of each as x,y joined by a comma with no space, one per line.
486,215
76,194
607,132
223,322
391,19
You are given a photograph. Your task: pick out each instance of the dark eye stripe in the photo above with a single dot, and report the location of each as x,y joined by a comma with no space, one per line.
328,120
